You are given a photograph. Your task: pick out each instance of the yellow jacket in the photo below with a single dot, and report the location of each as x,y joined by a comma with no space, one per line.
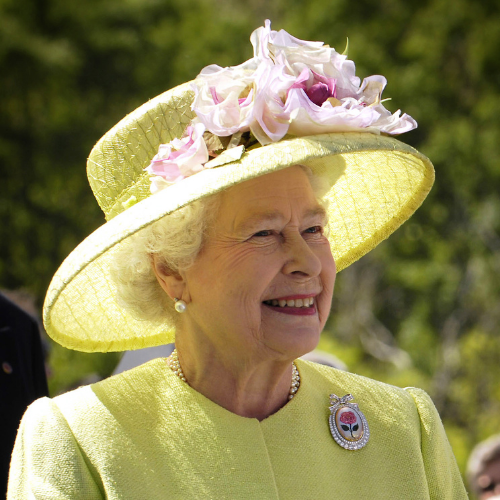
145,434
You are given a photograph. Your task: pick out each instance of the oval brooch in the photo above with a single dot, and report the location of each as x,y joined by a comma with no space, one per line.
348,425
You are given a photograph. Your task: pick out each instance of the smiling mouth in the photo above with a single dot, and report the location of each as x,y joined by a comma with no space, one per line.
304,306
307,302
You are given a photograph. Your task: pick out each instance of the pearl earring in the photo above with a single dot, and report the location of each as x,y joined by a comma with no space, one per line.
180,305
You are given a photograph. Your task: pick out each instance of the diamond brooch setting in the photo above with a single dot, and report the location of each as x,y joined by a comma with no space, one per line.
348,425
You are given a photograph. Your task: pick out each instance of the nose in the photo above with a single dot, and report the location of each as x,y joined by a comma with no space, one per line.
301,259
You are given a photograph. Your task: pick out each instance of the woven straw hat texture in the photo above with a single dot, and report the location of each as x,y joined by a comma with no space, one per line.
376,183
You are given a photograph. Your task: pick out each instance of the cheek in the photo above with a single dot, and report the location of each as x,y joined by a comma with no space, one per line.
328,275
235,275
331,271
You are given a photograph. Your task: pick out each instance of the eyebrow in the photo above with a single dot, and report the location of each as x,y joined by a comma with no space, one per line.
276,215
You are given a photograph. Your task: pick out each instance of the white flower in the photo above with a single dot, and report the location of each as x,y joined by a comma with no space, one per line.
292,86
371,94
270,120
309,119
282,48
323,93
224,97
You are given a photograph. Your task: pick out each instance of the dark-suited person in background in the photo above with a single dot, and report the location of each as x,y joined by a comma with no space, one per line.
22,375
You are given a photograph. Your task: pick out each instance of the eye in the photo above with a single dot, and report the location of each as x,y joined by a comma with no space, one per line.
263,233
314,230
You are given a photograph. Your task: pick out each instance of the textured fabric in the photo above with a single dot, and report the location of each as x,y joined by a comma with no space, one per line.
375,184
144,434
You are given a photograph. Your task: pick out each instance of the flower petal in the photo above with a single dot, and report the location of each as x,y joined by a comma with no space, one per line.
180,158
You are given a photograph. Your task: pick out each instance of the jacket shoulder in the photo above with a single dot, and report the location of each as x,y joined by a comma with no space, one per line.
384,405
352,383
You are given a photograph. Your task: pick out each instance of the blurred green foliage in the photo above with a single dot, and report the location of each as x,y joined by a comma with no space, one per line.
423,308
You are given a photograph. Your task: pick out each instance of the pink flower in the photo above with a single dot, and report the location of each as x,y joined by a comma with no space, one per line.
179,158
348,417
318,88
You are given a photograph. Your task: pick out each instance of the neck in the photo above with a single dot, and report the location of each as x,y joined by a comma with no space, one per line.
247,388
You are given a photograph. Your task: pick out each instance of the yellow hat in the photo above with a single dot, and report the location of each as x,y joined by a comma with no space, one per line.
376,182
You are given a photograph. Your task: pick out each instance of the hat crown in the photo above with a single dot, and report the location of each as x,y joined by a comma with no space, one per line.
115,167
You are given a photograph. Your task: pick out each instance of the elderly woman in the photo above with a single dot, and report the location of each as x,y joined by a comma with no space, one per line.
231,203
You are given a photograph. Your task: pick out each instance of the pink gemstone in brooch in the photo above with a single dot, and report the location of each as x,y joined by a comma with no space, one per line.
348,425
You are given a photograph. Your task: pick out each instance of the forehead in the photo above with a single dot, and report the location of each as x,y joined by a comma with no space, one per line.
281,192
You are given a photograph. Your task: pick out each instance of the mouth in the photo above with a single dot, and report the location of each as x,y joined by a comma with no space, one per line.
298,305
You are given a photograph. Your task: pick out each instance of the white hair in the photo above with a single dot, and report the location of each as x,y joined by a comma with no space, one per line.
176,240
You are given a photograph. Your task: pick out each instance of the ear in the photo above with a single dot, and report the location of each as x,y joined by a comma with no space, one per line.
172,283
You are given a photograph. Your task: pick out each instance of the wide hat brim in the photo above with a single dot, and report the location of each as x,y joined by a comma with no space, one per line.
376,183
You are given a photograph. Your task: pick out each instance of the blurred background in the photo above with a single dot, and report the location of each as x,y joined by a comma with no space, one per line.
422,310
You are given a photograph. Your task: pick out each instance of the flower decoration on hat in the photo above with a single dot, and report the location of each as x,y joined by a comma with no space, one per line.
290,87
179,158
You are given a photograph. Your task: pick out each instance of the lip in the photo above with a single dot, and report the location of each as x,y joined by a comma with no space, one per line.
295,311
294,297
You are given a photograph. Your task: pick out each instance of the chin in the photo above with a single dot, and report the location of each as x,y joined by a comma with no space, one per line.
293,345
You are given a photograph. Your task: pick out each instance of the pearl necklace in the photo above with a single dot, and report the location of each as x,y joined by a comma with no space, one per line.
175,365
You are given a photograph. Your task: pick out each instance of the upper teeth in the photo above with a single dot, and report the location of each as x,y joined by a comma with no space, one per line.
307,302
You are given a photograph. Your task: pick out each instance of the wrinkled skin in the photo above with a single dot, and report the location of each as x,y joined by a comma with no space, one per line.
267,242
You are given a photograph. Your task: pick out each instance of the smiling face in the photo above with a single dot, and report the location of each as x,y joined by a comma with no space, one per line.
262,285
